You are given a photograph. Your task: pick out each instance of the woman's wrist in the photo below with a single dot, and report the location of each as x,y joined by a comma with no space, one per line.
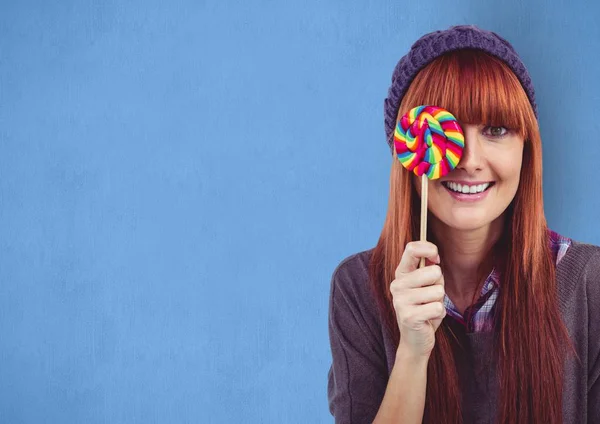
406,355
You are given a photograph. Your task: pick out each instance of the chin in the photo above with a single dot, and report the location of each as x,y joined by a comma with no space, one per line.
466,222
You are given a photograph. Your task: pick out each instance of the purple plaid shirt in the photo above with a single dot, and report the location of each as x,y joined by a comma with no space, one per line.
481,318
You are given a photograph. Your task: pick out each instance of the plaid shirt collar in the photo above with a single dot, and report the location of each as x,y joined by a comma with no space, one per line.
478,317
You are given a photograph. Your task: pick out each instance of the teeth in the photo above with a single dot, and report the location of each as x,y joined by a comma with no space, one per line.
466,189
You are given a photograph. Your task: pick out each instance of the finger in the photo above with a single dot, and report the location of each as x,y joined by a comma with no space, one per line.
433,310
413,252
421,277
422,295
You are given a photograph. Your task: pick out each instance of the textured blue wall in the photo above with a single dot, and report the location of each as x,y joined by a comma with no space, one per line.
179,179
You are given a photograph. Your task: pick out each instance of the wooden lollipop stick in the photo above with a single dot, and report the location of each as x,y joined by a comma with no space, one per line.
424,185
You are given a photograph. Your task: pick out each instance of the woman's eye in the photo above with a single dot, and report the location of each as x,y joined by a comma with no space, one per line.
496,131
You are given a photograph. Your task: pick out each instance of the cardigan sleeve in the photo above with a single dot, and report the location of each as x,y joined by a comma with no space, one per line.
592,276
358,376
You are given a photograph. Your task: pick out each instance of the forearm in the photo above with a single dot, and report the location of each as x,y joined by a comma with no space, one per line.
404,399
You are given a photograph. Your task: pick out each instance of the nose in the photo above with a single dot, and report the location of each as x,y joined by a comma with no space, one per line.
471,160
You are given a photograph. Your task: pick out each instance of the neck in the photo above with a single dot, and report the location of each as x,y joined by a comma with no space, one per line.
466,256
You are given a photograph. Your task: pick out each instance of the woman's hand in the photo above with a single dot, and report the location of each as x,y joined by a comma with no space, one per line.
418,297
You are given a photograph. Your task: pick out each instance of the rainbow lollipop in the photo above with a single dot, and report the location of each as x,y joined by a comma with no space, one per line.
429,142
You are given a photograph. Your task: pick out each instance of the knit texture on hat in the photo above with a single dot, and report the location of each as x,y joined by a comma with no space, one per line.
435,44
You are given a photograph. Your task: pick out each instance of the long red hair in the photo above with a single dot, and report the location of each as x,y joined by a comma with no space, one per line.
530,334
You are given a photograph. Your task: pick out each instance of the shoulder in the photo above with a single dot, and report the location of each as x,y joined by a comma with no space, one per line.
353,267
581,258
351,275
578,274
589,273
576,253
350,288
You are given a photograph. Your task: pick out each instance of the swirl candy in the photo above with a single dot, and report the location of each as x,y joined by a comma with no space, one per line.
429,141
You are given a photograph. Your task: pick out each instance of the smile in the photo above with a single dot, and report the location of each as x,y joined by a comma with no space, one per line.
467,192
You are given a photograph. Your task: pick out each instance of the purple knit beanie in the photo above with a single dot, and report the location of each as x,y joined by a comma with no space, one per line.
435,44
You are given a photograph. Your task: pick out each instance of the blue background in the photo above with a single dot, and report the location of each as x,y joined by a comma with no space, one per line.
178,181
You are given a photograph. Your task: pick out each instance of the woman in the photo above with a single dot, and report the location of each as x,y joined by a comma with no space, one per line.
503,323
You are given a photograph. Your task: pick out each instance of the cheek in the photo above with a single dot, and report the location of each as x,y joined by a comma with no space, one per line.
512,170
507,165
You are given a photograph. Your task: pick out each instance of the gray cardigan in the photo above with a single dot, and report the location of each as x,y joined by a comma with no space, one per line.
363,354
